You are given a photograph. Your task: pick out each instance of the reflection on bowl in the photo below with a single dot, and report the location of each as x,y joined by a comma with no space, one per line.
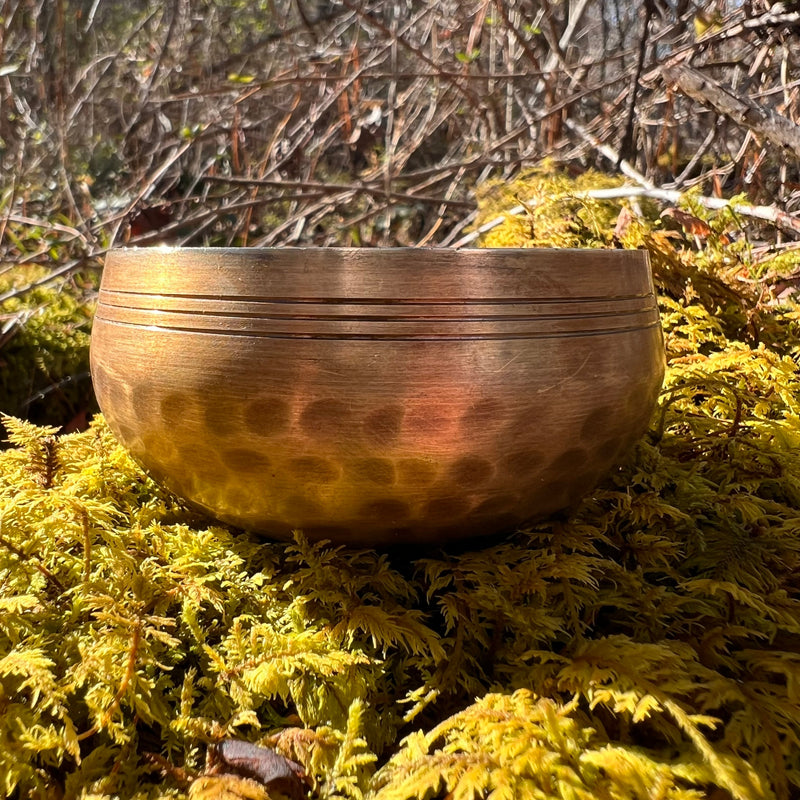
377,396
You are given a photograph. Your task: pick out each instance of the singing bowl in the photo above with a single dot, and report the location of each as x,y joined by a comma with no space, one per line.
377,396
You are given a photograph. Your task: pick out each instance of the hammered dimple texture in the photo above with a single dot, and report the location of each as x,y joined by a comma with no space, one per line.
418,421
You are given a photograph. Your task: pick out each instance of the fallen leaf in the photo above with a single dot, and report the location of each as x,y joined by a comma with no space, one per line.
261,764
623,222
691,224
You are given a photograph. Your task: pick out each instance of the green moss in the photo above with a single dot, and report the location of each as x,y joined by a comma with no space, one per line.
558,214
555,216
44,358
645,645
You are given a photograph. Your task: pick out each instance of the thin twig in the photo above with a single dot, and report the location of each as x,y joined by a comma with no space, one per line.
625,167
772,126
130,671
63,271
626,146
45,225
34,561
336,188
468,93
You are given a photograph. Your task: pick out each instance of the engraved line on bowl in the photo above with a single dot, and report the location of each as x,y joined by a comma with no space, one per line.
412,327
381,337
377,318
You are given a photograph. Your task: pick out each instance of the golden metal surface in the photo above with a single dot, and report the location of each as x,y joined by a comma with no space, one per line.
377,396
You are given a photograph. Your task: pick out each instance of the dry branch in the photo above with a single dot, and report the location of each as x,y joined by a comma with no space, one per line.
336,188
765,123
625,167
394,36
770,20
46,225
767,213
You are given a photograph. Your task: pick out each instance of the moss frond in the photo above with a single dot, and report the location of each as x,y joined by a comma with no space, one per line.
44,349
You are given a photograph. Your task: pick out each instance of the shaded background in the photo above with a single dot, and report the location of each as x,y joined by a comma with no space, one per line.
352,123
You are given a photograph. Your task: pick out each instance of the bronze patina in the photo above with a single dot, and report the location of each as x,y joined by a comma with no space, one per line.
377,396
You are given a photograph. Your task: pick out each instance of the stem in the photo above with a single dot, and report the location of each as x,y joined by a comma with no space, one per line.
130,670
22,556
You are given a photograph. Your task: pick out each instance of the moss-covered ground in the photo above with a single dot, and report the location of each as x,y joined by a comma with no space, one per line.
44,345
645,645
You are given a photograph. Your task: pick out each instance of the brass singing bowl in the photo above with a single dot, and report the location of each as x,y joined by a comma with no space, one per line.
377,395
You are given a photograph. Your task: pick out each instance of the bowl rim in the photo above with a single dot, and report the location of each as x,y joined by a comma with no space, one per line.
548,251
401,274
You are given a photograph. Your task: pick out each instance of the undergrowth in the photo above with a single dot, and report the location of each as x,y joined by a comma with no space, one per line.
646,645
44,346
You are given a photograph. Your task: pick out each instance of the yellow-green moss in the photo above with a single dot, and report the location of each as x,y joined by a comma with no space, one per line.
555,216
645,645
44,363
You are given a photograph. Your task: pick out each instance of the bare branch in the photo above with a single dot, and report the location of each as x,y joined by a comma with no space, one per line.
775,128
